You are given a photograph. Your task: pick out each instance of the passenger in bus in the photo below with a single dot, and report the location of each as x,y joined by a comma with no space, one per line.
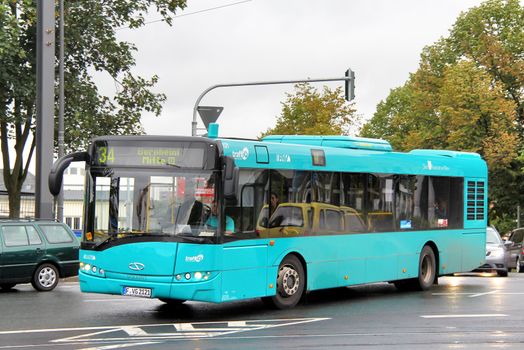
212,221
441,211
274,202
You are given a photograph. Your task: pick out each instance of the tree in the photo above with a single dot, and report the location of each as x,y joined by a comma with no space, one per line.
467,94
310,112
91,45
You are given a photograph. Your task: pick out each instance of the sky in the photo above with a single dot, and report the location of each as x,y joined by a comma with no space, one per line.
234,41
264,40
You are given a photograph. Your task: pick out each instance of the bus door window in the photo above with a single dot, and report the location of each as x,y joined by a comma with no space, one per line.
352,201
102,191
455,210
326,187
404,201
438,202
292,191
113,204
380,202
447,199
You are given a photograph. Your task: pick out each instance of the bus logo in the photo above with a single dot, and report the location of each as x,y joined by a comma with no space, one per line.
242,154
136,266
197,258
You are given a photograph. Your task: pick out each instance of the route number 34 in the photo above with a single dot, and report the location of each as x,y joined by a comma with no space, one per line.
106,155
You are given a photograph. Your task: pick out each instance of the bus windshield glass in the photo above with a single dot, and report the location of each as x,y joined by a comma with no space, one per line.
138,202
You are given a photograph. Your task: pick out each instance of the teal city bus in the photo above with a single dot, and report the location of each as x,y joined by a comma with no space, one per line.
215,219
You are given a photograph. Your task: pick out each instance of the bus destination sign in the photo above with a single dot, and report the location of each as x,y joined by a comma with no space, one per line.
154,154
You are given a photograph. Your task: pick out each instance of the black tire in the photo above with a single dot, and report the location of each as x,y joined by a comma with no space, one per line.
170,301
502,273
7,286
427,270
519,267
291,282
45,278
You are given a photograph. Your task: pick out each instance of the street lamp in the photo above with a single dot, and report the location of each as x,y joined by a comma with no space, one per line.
349,86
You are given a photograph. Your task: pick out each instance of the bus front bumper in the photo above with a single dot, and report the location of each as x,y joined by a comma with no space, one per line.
161,287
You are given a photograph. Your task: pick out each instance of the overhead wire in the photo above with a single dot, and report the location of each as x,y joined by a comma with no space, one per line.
194,13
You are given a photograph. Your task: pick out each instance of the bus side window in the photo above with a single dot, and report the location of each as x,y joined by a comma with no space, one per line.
248,213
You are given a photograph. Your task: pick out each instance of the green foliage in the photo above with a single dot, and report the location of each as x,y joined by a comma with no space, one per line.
309,112
467,94
90,45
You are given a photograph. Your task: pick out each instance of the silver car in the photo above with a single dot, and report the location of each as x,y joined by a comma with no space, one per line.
497,254
516,250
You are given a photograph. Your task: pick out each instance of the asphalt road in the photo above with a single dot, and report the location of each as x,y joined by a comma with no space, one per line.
462,312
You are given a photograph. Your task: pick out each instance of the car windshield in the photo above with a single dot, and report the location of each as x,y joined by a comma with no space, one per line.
126,203
492,236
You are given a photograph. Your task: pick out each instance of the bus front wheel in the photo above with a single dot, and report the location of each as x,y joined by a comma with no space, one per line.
170,301
291,281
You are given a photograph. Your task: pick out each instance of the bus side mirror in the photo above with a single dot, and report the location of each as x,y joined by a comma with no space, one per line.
57,171
230,179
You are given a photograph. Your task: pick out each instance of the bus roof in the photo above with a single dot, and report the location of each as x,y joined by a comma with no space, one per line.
349,154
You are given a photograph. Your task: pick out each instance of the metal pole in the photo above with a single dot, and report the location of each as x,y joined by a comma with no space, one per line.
45,98
194,122
518,216
60,199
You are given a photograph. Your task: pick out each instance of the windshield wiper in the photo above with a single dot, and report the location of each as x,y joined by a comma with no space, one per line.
112,236
173,165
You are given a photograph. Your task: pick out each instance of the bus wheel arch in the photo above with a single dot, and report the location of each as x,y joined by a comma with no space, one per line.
433,246
428,264
291,282
428,267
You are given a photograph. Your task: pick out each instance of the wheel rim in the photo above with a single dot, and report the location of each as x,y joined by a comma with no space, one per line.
47,277
289,281
426,269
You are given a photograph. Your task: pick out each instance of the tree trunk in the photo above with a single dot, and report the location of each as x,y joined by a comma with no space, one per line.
14,203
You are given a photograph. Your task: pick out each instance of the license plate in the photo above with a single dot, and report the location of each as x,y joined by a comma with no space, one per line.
137,292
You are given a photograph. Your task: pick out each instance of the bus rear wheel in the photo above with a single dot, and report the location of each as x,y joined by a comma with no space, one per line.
291,281
427,270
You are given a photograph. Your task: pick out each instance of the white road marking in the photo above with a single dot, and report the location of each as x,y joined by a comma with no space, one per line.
118,346
184,330
481,294
134,331
181,327
452,293
473,295
463,315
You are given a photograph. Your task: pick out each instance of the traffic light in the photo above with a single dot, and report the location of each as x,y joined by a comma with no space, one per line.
350,85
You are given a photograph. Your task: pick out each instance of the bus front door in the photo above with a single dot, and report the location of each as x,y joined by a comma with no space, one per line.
244,270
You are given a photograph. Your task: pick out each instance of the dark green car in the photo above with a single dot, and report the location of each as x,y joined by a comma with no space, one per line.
39,252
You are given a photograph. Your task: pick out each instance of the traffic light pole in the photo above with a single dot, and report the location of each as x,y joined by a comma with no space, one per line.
45,80
349,79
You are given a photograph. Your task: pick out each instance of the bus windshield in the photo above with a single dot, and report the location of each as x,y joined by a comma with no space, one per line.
138,202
